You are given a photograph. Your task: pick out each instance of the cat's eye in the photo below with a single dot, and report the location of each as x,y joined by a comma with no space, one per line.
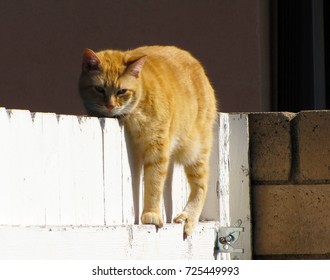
100,89
121,91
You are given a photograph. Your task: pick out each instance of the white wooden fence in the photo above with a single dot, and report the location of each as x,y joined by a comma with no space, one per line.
70,188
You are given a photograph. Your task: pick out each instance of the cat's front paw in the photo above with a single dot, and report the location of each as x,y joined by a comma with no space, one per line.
189,222
152,218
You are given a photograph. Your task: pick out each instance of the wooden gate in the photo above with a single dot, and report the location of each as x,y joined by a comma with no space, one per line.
71,188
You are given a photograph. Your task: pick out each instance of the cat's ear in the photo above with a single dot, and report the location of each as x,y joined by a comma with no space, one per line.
90,61
134,67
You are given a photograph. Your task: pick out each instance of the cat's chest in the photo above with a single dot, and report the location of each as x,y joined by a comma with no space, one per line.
137,123
143,130
139,128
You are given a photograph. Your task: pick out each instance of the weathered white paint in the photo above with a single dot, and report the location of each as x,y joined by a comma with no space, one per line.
127,194
5,191
81,171
89,182
47,169
69,200
112,163
21,195
79,177
224,174
234,183
239,176
106,242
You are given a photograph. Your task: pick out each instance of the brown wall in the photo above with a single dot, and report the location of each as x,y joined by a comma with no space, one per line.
42,43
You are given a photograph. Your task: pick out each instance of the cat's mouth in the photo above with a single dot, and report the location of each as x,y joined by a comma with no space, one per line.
114,111
105,112
101,111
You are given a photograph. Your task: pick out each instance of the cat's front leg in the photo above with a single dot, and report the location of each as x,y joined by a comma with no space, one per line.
155,171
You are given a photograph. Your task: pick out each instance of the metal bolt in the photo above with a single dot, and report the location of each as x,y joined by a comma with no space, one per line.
230,238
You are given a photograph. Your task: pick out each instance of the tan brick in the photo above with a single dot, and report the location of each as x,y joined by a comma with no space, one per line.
291,219
270,146
312,133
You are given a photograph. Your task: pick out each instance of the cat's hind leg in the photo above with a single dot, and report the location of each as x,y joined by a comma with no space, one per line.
197,175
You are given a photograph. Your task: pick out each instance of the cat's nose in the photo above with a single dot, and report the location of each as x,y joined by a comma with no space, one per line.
110,106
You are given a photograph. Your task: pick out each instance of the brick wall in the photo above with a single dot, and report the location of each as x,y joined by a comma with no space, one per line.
290,176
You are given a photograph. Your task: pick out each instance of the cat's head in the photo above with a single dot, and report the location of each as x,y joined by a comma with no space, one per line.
110,83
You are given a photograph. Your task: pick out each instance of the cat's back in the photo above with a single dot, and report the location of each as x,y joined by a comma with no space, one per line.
179,76
164,54
159,51
174,77
176,68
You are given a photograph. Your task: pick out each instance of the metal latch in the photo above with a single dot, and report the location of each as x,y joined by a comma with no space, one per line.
227,236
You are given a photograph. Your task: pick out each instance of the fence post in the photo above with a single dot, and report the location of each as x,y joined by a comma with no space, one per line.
5,196
112,172
81,171
45,128
234,180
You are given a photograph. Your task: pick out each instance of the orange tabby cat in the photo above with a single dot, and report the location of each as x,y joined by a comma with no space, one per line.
166,103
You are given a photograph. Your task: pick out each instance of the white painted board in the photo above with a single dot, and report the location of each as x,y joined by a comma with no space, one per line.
105,243
89,160
80,162
112,163
5,168
46,168
127,187
234,183
23,202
